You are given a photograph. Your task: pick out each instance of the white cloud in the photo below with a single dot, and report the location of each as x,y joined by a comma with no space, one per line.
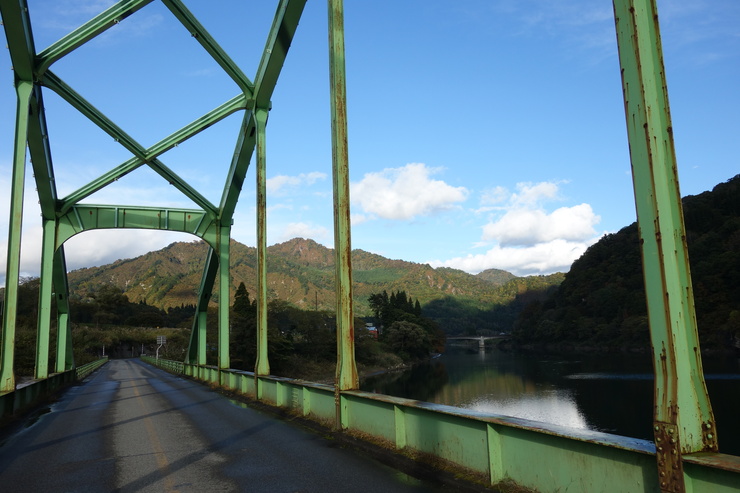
356,219
494,196
542,258
304,230
88,249
526,227
283,184
31,232
529,194
404,193
100,247
84,250
526,222
524,237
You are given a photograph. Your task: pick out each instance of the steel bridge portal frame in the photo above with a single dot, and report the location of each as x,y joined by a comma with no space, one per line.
64,217
683,418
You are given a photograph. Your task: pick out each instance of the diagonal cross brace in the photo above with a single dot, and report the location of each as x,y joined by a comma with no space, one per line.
276,49
128,142
97,25
228,108
197,30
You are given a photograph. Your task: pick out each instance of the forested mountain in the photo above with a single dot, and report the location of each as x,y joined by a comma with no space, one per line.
601,301
301,273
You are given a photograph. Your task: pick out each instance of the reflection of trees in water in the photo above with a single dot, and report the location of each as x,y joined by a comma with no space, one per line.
612,392
421,382
489,383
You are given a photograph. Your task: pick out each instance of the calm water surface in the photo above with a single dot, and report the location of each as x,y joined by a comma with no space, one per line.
603,392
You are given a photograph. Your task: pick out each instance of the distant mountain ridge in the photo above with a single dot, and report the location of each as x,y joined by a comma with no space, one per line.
301,272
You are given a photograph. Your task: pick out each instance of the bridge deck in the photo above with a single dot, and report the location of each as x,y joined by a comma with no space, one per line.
132,427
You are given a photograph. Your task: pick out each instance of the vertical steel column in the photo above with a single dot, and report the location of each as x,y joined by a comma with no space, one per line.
191,355
224,298
201,319
684,422
262,365
12,272
196,354
346,375
65,355
45,293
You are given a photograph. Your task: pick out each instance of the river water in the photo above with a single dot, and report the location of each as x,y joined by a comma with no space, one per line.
612,393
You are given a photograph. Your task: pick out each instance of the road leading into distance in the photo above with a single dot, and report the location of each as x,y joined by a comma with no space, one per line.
134,428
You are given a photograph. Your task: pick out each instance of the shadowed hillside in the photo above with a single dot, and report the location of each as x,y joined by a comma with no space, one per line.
601,301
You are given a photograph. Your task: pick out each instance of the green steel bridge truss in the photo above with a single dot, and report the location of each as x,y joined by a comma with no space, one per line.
683,419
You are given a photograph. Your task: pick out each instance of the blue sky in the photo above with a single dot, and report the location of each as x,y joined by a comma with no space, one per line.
482,133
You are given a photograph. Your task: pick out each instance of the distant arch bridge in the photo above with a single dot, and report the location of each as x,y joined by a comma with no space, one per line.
481,339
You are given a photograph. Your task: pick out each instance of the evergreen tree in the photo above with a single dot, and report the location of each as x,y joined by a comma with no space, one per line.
405,330
244,329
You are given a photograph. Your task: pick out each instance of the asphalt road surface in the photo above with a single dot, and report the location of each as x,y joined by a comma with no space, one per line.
131,427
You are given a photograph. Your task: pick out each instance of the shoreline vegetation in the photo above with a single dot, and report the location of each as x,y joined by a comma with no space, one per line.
598,306
569,348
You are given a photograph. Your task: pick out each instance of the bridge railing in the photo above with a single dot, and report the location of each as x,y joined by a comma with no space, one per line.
493,447
26,395
165,364
84,370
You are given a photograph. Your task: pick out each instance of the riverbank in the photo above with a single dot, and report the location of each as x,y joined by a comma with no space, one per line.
324,371
582,348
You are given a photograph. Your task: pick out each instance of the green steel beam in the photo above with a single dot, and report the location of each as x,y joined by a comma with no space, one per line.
65,356
21,46
238,168
46,280
197,347
18,32
276,49
262,364
684,422
105,124
102,22
12,272
206,41
346,375
35,136
88,217
92,113
224,296
228,108
40,152
278,41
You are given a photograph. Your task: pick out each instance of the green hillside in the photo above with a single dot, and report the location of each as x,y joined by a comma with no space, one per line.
301,272
601,301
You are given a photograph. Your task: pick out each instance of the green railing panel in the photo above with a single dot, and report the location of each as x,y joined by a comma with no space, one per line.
547,458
